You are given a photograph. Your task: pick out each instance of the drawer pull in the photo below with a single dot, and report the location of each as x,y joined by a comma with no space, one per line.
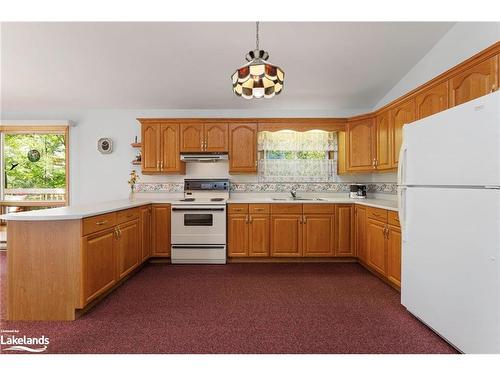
101,222
130,215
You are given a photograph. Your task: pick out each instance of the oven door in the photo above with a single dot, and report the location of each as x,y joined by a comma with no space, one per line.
198,224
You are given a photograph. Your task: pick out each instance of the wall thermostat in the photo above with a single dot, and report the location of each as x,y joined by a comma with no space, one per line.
105,145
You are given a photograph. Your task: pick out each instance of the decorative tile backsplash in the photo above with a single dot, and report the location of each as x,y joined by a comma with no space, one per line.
274,187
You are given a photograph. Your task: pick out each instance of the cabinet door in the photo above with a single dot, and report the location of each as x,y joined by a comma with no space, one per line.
216,137
376,246
237,235
360,145
128,247
344,226
99,264
431,101
383,141
401,115
150,139
478,80
145,232
394,255
360,232
170,149
318,233
286,235
160,240
258,239
191,137
242,148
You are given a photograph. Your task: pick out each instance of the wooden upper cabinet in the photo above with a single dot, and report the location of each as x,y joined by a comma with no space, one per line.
318,235
243,148
431,100
344,226
192,137
286,235
150,136
170,150
383,141
474,82
216,137
360,144
400,115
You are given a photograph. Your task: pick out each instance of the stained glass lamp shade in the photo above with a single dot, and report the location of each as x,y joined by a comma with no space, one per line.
259,78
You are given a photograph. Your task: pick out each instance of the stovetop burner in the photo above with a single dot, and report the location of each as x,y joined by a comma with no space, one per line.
187,200
216,199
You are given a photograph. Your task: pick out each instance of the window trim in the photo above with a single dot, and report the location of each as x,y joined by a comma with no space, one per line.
40,129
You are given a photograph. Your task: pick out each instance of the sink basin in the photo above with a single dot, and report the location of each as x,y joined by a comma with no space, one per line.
298,199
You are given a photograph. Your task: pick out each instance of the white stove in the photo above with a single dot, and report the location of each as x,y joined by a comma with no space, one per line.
198,223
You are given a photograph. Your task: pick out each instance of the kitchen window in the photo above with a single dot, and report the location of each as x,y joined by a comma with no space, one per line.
292,156
35,167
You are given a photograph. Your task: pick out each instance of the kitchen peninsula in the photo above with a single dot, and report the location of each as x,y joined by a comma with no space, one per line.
61,261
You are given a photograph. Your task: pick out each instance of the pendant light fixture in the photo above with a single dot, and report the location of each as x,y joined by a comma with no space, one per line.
259,78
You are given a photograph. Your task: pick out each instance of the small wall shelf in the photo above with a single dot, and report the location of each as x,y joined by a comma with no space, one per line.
136,162
136,145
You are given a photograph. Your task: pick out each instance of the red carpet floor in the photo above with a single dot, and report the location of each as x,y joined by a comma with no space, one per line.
242,308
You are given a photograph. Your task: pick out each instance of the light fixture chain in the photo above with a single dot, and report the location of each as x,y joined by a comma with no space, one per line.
257,34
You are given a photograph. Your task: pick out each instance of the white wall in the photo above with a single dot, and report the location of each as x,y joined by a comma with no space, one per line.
462,41
95,177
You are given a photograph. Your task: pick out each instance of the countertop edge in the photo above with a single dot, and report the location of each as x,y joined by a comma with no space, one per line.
121,205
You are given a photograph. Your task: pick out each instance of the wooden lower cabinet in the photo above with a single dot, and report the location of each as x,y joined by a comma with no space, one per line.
160,230
237,235
360,232
128,247
99,264
376,246
286,235
146,232
344,218
318,235
394,254
258,235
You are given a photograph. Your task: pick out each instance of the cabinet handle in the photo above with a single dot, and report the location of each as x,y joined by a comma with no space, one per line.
119,232
251,220
101,222
246,219
304,220
158,165
374,163
301,220
116,233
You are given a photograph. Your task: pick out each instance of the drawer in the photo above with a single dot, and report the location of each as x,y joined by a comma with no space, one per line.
318,208
376,214
238,208
286,208
393,218
258,208
127,215
97,223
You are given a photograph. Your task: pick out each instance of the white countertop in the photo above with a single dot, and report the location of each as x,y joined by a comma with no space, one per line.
83,211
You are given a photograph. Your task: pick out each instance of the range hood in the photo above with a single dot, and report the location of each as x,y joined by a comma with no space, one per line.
206,157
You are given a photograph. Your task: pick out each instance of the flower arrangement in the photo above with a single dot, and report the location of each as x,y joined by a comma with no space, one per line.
134,177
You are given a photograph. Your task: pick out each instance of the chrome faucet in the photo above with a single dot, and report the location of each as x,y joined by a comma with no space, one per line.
293,192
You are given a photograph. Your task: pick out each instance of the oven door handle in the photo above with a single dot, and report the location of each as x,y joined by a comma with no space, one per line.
197,209
198,246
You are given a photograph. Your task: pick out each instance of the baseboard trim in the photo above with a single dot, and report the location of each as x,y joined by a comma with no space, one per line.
292,260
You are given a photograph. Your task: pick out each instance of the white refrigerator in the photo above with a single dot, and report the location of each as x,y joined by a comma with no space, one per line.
449,207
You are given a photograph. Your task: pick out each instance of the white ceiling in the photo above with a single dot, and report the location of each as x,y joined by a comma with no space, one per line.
188,65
